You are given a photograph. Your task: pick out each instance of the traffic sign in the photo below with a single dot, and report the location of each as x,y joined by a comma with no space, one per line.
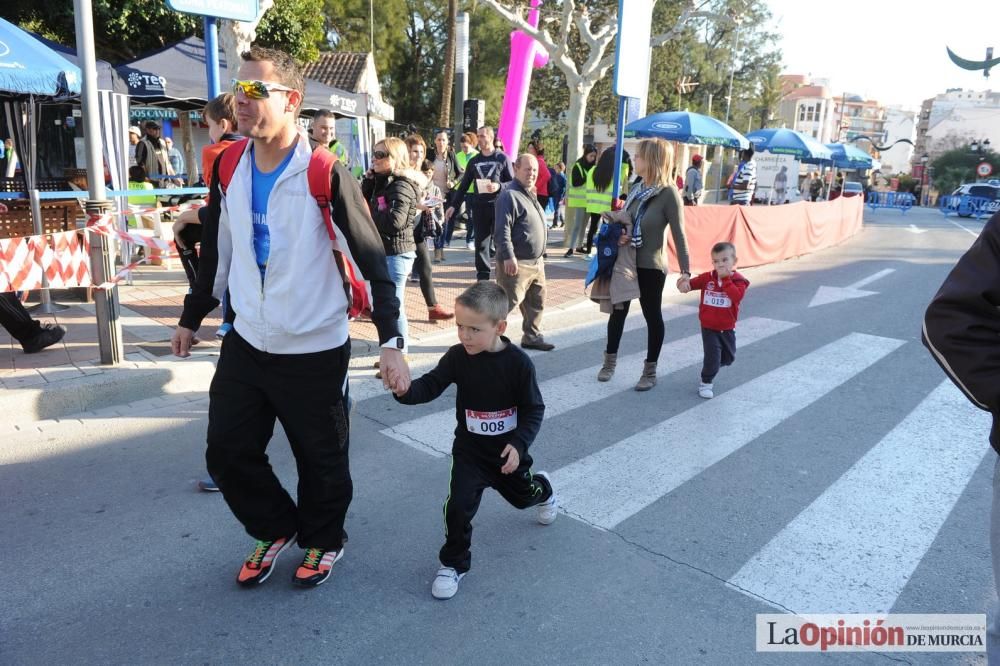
984,169
236,10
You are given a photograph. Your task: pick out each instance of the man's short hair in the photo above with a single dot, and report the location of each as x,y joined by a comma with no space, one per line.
719,248
223,107
488,128
524,156
324,113
286,70
486,298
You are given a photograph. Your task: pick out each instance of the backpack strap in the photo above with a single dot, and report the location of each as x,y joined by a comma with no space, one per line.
320,175
228,160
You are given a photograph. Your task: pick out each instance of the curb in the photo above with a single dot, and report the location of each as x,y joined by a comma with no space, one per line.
129,382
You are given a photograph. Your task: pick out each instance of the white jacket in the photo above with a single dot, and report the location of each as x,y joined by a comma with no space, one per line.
301,306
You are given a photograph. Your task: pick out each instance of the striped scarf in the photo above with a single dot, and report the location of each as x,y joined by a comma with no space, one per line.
642,195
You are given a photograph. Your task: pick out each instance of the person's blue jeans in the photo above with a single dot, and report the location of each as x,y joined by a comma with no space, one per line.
400,266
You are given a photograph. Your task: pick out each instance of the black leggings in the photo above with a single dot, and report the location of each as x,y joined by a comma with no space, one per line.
651,283
595,219
422,267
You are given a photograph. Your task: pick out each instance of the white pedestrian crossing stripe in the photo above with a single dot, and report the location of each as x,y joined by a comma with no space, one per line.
615,483
594,328
432,433
856,546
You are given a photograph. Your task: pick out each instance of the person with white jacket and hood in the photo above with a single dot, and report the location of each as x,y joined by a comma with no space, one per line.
266,239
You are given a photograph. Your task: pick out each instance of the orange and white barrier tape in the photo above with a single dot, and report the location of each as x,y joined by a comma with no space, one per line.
64,258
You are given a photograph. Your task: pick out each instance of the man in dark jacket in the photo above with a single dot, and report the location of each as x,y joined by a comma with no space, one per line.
520,238
487,171
962,331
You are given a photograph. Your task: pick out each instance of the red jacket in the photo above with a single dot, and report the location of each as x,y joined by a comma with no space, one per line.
542,184
720,303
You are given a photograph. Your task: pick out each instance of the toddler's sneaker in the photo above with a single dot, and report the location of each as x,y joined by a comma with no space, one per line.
547,510
446,583
316,566
257,567
222,330
705,390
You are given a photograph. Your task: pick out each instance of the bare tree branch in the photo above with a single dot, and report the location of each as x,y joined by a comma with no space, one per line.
557,52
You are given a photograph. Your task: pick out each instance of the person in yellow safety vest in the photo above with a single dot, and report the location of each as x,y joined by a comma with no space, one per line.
600,182
576,198
468,142
137,180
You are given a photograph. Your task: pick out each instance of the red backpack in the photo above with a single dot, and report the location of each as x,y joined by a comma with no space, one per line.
320,174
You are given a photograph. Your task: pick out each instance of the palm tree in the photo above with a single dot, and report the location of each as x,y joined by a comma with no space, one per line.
449,66
769,96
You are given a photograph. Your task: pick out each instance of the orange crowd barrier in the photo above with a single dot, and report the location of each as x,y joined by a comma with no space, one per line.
767,234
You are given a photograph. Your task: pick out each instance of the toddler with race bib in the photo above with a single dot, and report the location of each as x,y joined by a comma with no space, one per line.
499,410
722,291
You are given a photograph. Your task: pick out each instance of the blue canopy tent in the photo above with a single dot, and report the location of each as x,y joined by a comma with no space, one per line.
846,156
29,73
687,127
782,141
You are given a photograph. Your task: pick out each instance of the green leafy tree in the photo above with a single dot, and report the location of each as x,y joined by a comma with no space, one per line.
958,166
129,28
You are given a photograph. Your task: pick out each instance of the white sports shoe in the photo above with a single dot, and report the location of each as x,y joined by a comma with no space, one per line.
547,510
470,246
705,390
446,583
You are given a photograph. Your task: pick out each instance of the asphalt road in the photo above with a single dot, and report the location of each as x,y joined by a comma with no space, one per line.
833,472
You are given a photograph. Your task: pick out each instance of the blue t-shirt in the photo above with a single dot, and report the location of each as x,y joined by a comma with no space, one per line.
262,184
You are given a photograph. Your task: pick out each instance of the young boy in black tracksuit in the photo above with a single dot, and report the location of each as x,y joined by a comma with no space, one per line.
499,410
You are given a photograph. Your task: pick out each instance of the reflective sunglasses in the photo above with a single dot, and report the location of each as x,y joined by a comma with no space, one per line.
380,154
257,89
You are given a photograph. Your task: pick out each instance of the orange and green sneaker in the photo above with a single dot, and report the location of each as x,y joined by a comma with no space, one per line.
257,566
316,566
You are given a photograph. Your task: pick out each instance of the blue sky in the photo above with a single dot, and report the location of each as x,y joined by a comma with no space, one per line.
890,51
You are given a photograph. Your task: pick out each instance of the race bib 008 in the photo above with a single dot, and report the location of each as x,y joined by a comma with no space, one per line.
717,299
491,423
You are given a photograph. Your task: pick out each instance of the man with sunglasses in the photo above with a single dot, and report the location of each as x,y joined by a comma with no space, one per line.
286,358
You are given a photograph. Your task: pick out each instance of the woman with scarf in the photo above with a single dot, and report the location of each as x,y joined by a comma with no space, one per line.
653,204
447,173
423,236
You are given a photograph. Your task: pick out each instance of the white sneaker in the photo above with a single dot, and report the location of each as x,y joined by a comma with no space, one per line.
547,510
470,246
705,390
446,583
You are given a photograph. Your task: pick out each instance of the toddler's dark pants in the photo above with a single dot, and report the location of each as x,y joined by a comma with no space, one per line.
720,350
471,474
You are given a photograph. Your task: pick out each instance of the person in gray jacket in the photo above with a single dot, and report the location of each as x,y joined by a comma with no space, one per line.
520,234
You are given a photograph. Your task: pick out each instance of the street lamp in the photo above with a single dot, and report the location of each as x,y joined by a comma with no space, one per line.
980,147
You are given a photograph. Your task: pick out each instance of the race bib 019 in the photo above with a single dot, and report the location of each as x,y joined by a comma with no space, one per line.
717,299
491,423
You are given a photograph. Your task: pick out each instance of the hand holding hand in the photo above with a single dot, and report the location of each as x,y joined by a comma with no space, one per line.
513,459
683,284
395,371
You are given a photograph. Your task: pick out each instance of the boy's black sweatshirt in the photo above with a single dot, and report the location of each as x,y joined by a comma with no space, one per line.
489,384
